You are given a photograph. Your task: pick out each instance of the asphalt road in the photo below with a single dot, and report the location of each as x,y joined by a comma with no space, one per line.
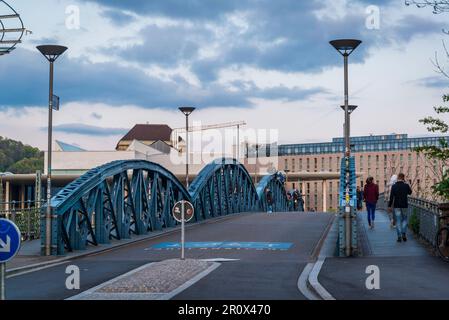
257,274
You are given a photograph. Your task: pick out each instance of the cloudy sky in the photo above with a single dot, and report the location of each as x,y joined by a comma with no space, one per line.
264,62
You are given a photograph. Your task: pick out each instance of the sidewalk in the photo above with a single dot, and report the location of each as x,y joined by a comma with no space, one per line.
407,270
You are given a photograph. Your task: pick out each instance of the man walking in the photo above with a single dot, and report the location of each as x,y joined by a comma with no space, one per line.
371,195
399,204
269,197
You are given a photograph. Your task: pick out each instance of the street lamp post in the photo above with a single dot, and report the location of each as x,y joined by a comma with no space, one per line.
187,111
51,53
345,47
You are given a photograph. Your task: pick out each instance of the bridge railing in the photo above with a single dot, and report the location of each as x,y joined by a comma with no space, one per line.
423,216
126,197
275,183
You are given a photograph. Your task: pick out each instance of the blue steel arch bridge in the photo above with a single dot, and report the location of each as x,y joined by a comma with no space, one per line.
126,197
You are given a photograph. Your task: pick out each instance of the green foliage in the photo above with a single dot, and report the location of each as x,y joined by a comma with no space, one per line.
440,152
414,221
19,158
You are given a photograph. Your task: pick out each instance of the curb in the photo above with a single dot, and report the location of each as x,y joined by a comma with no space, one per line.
48,264
308,283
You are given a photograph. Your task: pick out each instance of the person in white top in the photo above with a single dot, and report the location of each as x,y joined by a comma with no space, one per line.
393,180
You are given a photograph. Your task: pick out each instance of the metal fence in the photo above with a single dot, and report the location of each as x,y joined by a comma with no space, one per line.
427,214
25,214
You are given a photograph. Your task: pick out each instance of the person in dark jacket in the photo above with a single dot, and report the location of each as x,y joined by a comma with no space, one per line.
398,203
269,197
359,194
371,195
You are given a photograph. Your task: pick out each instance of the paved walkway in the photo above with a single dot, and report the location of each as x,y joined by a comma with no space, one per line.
407,270
382,239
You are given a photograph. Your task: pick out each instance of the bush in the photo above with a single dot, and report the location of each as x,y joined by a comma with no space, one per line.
414,221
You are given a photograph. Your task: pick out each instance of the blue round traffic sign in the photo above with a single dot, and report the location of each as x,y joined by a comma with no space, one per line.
9,240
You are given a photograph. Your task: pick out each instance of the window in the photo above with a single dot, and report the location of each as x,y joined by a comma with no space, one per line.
293,165
300,164
286,164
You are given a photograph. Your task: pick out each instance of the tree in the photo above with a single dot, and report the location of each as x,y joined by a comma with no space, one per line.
440,153
12,152
439,6
27,165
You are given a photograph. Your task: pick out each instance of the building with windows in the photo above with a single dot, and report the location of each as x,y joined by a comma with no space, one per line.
379,156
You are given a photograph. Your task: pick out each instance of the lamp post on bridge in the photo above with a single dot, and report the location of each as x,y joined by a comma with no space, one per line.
51,53
187,111
345,47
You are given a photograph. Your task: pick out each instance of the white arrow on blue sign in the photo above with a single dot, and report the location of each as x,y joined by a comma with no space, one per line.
9,240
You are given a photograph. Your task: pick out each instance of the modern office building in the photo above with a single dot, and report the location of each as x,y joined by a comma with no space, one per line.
379,156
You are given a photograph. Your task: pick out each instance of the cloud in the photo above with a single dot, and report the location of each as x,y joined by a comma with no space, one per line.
96,115
186,9
438,82
284,35
118,17
77,80
87,130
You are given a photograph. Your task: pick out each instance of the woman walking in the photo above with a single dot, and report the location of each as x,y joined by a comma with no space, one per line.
371,195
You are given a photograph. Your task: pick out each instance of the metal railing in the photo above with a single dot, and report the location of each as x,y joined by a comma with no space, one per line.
25,214
427,214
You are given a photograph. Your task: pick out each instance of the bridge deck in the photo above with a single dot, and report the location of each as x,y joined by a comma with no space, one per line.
259,273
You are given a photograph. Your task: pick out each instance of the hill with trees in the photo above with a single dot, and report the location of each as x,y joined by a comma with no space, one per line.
16,157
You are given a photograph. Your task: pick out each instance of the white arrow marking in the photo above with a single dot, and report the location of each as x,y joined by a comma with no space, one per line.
5,247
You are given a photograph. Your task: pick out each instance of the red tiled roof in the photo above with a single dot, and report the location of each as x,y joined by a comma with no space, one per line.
148,132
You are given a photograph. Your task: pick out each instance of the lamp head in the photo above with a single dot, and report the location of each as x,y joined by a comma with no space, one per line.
187,110
51,52
351,108
345,46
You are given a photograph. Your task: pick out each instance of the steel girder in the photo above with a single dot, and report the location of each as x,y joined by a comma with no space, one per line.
114,200
221,188
126,197
275,183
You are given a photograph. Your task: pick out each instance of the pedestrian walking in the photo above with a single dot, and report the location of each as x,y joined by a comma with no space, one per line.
398,204
371,195
359,194
296,199
269,197
301,202
393,180
290,201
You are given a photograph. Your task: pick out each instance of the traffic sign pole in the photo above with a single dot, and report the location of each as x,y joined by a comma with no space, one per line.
9,246
183,212
182,230
2,280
